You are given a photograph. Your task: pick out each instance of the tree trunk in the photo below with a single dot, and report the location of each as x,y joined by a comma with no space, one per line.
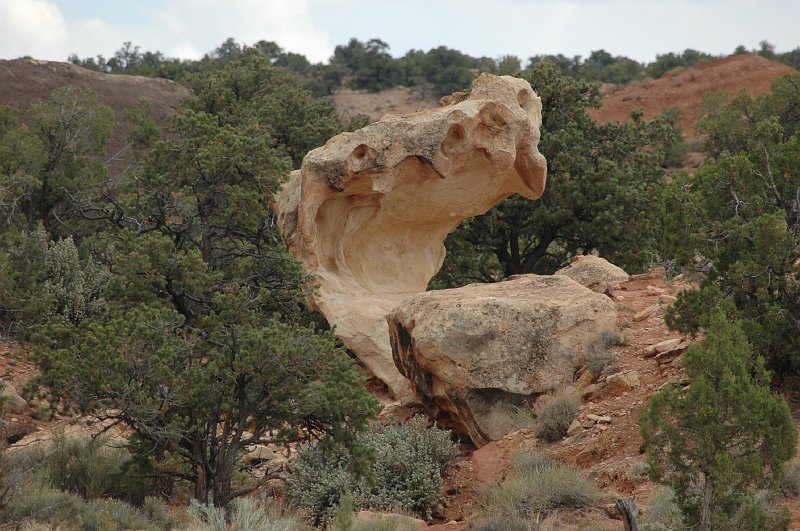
201,482
706,508
629,512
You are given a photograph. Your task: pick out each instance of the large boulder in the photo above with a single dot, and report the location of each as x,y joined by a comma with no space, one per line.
477,354
368,212
597,274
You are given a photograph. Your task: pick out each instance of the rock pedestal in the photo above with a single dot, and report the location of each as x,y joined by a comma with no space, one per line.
368,212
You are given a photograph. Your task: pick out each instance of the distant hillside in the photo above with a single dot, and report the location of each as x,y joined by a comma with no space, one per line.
398,100
24,82
680,87
684,88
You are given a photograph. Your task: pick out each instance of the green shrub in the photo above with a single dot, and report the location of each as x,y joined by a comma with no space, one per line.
410,460
537,486
789,484
555,416
88,467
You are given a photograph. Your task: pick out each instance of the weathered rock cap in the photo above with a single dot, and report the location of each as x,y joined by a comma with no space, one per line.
478,353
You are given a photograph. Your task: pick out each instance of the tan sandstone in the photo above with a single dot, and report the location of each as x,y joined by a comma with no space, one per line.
479,353
597,274
368,212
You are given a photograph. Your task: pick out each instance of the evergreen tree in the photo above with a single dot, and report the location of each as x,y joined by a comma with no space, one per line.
602,194
724,437
737,221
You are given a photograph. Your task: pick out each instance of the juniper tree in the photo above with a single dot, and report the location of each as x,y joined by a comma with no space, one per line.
726,436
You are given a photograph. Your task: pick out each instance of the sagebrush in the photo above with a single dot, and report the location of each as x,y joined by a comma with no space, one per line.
409,462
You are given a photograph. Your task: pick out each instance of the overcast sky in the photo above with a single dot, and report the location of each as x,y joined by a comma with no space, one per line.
640,29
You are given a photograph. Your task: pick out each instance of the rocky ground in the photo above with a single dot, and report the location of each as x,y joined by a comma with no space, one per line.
609,448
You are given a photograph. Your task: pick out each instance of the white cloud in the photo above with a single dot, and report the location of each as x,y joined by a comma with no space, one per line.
32,27
209,22
178,28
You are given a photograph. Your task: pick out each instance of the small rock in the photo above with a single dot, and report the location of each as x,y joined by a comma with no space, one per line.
623,382
612,511
591,391
664,346
587,424
593,417
574,427
652,290
602,427
263,454
12,402
604,420
647,312
667,299
585,380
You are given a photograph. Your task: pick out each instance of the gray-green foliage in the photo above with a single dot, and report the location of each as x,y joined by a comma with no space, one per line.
406,473
90,468
246,514
535,487
599,357
789,483
42,279
662,512
76,483
64,510
555,416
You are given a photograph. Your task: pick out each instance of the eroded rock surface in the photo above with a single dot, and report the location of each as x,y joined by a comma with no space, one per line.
597,274
369,211
477,354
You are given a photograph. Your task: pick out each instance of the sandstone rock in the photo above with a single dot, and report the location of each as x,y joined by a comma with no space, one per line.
395,412
477,353
593,417
263,454
585,380
663,346
594,272
368,212
591,391
621,382
10,401
653,290
647,312
604,420
667,299
574,427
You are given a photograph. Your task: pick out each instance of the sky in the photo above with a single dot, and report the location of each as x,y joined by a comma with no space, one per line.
640,29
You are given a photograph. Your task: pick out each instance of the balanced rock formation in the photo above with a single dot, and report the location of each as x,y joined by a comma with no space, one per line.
477,354
597,274
369,211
